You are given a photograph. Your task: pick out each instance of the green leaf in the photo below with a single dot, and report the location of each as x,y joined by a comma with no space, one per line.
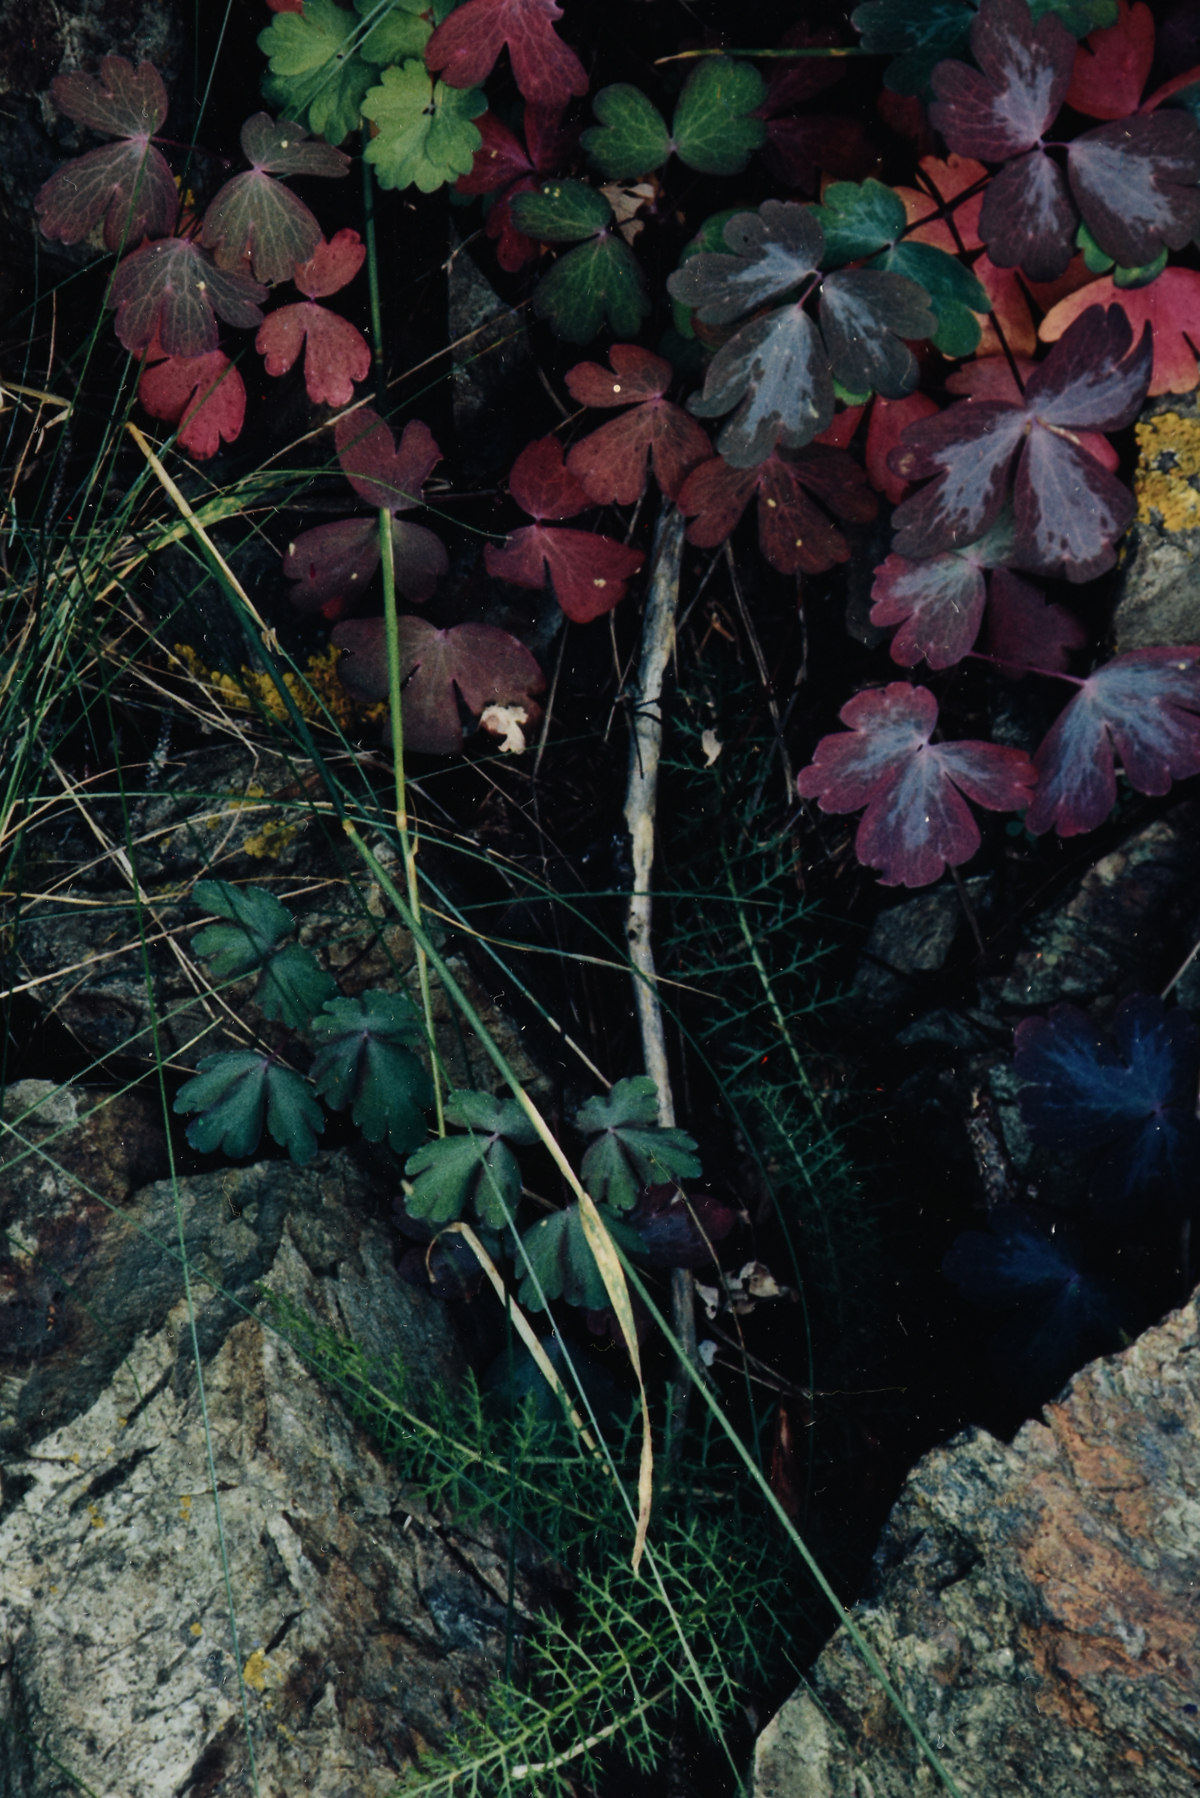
954,293
958,331
592,283
849,398
858,219
232,1092
397,34
712,129
426,137
1141,277
561,212
1096,259
480,1168
315,77
1079,16
365,1060
631,138
631,1149
293,985
565,1266
919,33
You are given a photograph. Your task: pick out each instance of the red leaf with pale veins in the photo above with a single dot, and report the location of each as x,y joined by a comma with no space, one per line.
119,102
331,266
588,573
204,395
254,220
336,356
611,462
379,472
794,535
484,665
543,486
916,819
1170,306
1143,707
128,185
1111,65
172,290
1023,632
886,426
465,46
938,604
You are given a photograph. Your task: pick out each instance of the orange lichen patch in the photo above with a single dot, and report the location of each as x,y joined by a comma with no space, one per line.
1167,482
319,697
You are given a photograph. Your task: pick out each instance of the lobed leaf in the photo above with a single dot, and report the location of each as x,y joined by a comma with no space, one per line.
331,266
712,130
425,136
478,1169
128,185
772,251
587,572
1135,184
235,1092
774,375
204,396
1170,306
365,1060
292,985
560,1257
1024,632
918,33
1001,108
611,463
331,564
336,353
631,138
562,212
631,1149
594,284
383,475
465,46
119,102
857,219
173,292
254,220
1143,707
865,316
401,33
793,533
474,663
938,603
916,820
1112,65
315,76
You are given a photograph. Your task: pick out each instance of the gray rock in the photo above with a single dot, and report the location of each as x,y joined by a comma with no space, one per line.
1160,578
1034,1605
189,1570
914,938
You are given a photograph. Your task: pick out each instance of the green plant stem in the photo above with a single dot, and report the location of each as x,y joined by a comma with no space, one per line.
373,276
395,680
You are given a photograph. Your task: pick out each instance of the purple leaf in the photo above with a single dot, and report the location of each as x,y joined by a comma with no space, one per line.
174,290
281,147
1003,107
775,371
475,662
938,604
678,1228
1024,632
773,250
127,185
257,222
1135,184
119,102
1027,219
203,395
794,535
331,565
1069,509
916,821
1143,707
865,315
379,472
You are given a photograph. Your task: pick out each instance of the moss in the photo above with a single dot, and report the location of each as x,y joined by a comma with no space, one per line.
1167,482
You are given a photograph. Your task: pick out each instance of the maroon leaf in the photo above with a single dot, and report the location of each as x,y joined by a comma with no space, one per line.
611,462
173,290
1111,65
465,46
588,573
1069,509
678,1228
1143,707
1023,632
255,221
379,472
500,160
504,167
916,820
119,102
793,533
938,603
991,378
1002,108
885,429
336,356
1135,184
791,83
331,266
332,564
543,486
127,185
475,662
799,151
204,395
1027,219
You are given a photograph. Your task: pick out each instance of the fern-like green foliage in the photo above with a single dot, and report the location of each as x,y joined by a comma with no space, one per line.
292,984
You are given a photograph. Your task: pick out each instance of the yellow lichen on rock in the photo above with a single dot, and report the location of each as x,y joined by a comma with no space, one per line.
319,696
1168,471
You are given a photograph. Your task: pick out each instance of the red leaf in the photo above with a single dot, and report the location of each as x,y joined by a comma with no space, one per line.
543,486
916,821
938,604
886,426
465,46
1171,307
794,535
119,102
1023,632
513,248
1143,707
172,290
204,395
331,266
1111,65
840,434
333,563
948,178
128,185
588,573
337,354
379,472
611,462
255,221
500,160
1010,310
286,5
484,665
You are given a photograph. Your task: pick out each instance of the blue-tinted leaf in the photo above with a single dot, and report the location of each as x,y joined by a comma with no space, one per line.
775,371
858,218
233,1092
865,316
773,250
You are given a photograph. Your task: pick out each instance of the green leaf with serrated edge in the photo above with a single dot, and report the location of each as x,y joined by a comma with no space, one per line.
712,129
631,1149
559,1254
396,33
426,137
593,283
710,237
857,219
561,212
294,986
365,1060
631,138
1080,17
315,77
232,1092
257,925
457,1170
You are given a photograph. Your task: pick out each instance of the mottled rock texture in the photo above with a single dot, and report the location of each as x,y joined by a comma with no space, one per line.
364,1624
1160,577
1036,1605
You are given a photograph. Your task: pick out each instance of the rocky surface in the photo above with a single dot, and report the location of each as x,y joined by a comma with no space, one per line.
1160,577
1035,1605
191,1565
